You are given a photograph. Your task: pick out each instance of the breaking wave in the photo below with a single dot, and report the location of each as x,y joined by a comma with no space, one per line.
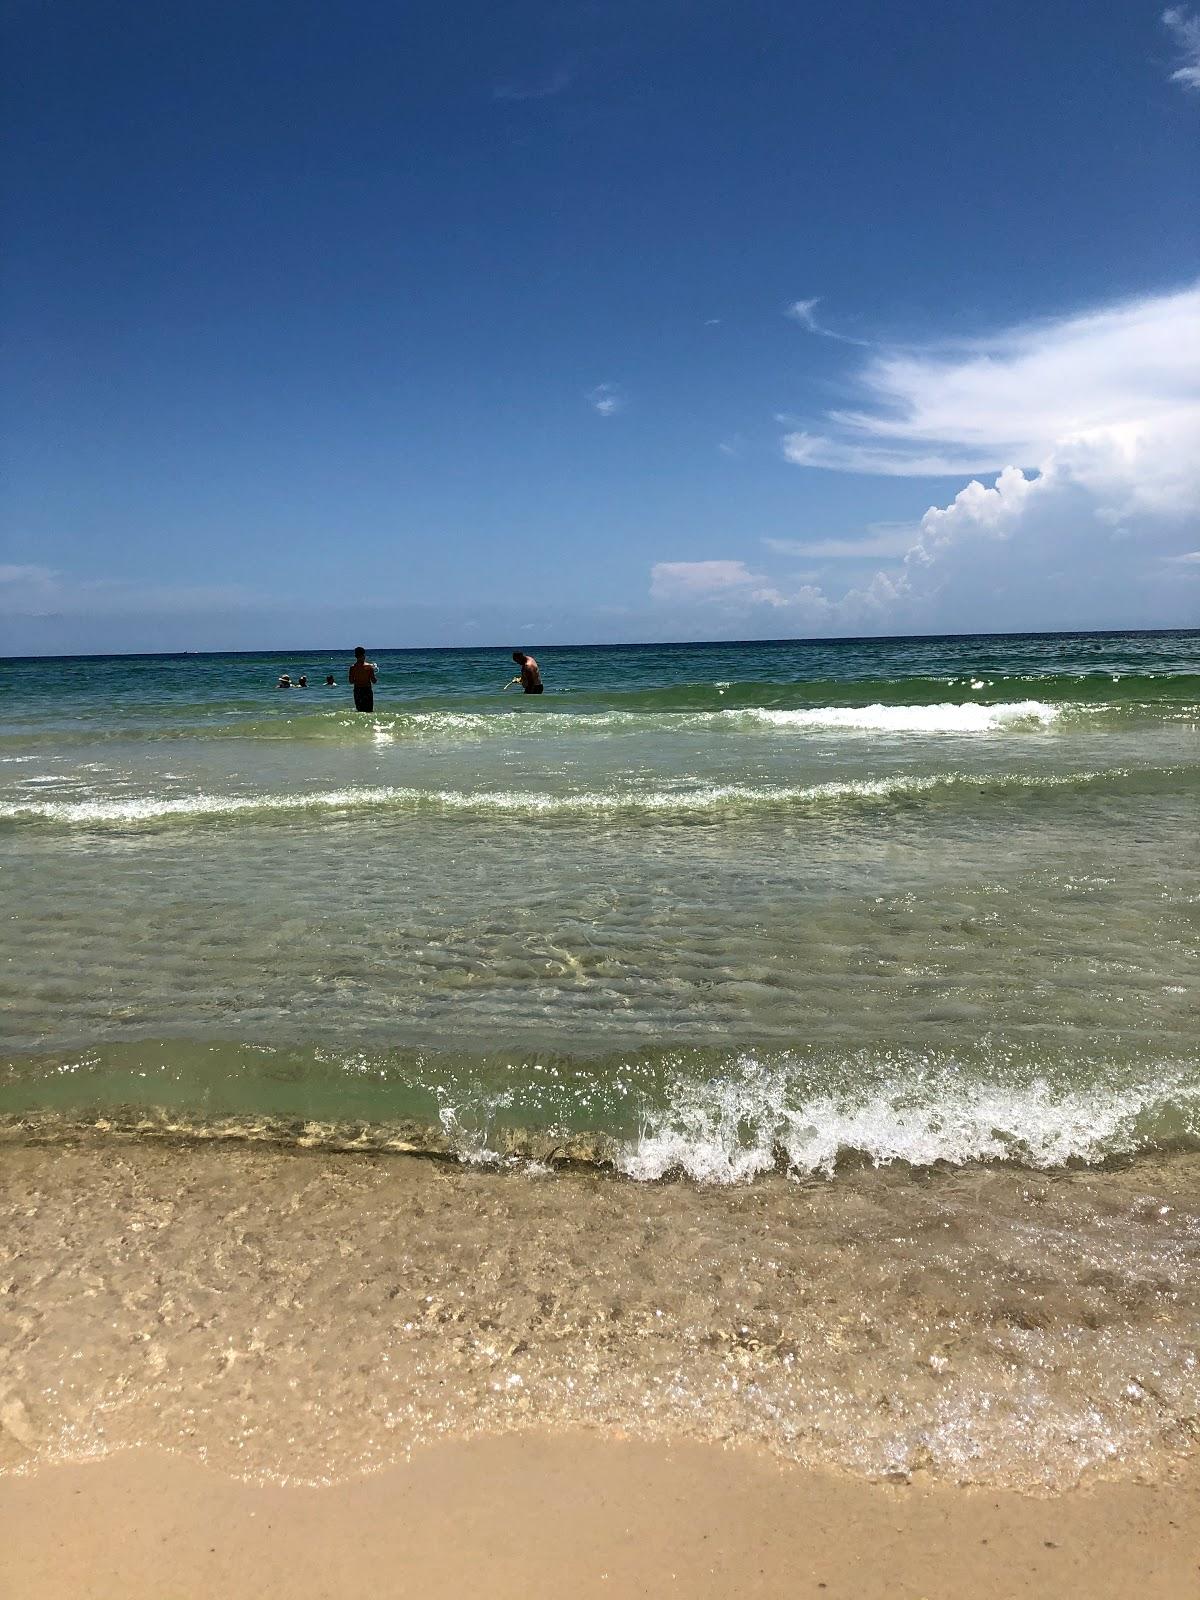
683,801
716,1121
730,1129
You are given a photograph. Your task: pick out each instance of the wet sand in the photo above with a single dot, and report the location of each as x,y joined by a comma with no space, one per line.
542,1515
243,1371
287,1315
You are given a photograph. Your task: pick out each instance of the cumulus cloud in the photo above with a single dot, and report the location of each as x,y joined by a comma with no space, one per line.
1089,427
1185,30
606,399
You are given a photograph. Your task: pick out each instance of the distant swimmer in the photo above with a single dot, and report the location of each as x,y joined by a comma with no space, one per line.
285,681
530,678
302,681
330,681
363,676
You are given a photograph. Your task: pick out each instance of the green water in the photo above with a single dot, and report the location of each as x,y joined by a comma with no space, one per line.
702,906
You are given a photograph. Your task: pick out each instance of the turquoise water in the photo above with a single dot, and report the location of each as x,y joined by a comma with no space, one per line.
706,907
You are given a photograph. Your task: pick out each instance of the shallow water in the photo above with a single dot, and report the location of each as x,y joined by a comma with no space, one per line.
930,898
758,915
309,1316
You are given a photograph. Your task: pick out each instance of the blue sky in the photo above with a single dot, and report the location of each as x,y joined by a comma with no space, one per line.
573,322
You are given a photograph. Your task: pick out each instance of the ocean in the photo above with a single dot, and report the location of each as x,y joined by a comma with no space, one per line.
802,1035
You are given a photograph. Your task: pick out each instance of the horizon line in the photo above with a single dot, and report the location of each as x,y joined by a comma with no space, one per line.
632,644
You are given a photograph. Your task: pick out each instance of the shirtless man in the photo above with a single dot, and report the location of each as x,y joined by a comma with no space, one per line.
530,678
363,676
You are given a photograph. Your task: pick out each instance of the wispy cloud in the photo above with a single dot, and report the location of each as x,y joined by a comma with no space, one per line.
673,580
15,575
36,591
1184,28
546,88
881,542
606,399
805,313
734,586
1012,398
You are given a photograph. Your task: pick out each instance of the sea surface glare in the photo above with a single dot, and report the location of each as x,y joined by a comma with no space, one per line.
920,917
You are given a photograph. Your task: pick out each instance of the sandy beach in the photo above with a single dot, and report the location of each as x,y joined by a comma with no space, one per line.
254,1372
539,1515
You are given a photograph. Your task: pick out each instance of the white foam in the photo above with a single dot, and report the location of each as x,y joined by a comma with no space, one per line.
948,718
730,1129
696,798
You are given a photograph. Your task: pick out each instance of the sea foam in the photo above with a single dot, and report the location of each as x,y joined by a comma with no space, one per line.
759,1116
682,800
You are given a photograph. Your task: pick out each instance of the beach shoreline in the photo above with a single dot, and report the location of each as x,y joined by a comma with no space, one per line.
805,1037
536,1514
292,1314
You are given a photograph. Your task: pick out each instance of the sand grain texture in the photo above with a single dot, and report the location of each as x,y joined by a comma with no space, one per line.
532,1515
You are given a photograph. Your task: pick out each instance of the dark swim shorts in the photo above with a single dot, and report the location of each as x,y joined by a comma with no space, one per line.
364,697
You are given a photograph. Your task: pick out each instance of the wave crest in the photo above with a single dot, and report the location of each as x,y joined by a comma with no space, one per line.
683,801
731,1129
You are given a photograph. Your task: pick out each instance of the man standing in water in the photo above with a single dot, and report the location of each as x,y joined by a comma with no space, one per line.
363,676
530,678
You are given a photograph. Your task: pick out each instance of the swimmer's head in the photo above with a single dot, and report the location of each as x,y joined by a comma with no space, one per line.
520,656
360,653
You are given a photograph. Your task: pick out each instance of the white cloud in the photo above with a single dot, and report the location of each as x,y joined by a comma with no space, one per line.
1090,427
606,399
805,313
732,586
881,541
801,311
689,580
1185,30
1012,398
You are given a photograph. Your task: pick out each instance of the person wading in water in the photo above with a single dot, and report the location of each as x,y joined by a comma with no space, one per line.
530,678
363,676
